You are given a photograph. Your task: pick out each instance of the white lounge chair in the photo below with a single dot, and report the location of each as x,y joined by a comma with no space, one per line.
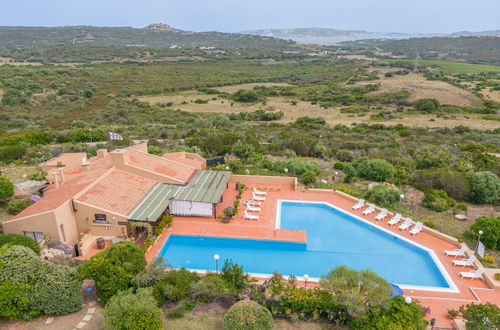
395,219
417,228
478,273
406,224
251,216
370,209
381,215
259,192
465,262
258,198
254,203
359,204
456,253
249,207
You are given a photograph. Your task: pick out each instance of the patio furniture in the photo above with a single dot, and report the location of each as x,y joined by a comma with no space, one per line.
249,207
417,228
251,216
383,213
456,253
259,192
478,273
469,262
406,224
359,204
395,219
258,198
370,209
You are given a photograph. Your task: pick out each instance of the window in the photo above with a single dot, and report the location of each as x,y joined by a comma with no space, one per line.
101,218
36,235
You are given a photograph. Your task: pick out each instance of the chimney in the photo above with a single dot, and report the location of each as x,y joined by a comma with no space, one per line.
56,179
85,163
120,158
61,173
101,153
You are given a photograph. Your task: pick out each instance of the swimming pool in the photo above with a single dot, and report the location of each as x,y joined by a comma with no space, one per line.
334,238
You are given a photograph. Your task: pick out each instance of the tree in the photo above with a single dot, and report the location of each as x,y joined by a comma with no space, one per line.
485,187
129,311
208,287
350,173
491,231
427,105
383,195
399,316
480,316
243,150
357,290
31,286
6,188
246,96
373,169
248,315
15,206
309,177
114,268
437,200
234,276
16,239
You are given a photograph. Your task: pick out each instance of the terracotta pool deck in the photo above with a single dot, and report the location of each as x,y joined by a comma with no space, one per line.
475,291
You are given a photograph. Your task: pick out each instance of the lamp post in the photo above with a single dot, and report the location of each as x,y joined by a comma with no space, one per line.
216,258
408,300
478,238
306,277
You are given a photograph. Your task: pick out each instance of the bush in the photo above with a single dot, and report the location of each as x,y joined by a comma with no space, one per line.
383,195
234,276
175,286
164,222
427,105
15,206
31,286
246,96
491,231
358,299
6,188
16,239
373,169
209,287
399,315
344,155
113,268
127,310
437,200
248,315
308,178
485,187
480,316
155,150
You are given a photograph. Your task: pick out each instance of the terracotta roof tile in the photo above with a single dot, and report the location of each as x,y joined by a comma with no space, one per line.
118,191
161,165
72,157
180,157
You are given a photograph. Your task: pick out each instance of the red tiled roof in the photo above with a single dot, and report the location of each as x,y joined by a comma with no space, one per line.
118,191
160,165
65,158
79,180
180,157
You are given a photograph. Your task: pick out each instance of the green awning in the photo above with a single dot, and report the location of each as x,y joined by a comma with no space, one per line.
204,186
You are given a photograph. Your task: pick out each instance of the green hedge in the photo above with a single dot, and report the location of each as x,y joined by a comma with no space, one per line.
16,239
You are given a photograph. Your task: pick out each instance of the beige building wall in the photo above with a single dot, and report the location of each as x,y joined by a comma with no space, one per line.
64,216
85,216
44,222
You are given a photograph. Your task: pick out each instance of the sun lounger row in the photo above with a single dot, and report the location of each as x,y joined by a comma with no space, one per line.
253,204
466,262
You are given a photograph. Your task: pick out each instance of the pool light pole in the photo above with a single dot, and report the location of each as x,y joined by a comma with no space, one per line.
306,277
478,238
216,258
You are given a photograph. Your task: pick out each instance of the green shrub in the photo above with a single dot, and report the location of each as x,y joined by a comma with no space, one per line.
246,96
491,231
383,195
15,206
373,169
175,286
207,288
113,268
16,239
427,105
350,173
485,187
344,156
164,222
234,276
480,316
31,286
461,207
129,311
248,315
308,178
437,200
339,165
155,150
399,315
6,188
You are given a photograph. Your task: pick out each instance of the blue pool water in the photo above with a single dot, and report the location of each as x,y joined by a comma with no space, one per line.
333,238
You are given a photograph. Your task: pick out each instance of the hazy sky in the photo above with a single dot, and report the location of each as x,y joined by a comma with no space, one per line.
236,15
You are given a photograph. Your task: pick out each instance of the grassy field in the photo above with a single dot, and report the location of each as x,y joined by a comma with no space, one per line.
453,67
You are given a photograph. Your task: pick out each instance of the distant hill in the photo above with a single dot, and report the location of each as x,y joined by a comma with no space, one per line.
156,35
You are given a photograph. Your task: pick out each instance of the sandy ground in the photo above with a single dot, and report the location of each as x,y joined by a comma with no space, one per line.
235,88
8,60
420,88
